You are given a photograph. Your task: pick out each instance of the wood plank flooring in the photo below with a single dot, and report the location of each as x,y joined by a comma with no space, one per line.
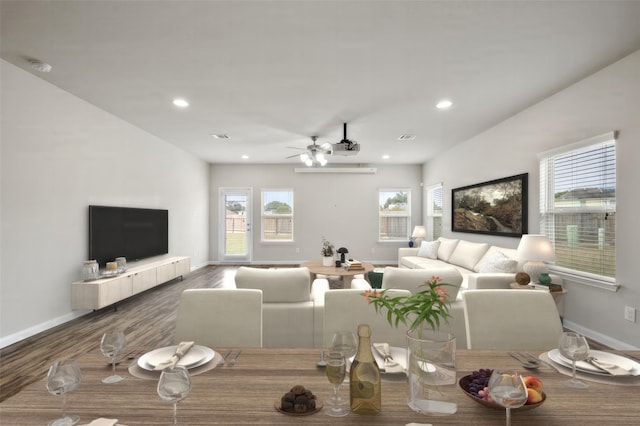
148,319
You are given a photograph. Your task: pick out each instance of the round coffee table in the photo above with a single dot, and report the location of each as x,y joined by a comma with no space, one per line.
316,267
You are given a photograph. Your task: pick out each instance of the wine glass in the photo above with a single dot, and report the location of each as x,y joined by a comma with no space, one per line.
574,347
111,345
345,342
63,377
174,386
507,388
336,370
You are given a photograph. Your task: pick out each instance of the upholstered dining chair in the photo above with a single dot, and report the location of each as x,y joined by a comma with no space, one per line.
511,319
220,317
345,309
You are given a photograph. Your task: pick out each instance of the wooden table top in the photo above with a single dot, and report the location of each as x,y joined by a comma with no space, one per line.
246,393
316,267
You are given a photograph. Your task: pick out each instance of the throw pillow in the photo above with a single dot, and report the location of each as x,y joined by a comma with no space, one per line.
499,262
429,249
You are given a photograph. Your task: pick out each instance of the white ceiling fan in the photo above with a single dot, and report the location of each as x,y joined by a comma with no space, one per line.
314,154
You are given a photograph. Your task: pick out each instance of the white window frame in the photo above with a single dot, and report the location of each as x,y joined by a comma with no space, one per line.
550,209
266,216
407,215
434,216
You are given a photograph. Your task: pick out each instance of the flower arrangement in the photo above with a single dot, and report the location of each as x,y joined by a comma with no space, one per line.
327,248
430,305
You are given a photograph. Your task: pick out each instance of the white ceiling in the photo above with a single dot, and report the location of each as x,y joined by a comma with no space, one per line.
270,74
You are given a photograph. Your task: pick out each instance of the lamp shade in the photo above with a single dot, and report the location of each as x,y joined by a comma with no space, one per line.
535,248
419,232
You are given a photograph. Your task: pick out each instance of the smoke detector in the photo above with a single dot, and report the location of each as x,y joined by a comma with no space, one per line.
40,66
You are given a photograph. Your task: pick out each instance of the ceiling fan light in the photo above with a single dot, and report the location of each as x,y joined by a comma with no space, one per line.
308,162
304,157
319,156
323,161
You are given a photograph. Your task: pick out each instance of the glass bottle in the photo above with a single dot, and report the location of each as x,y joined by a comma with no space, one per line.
364,377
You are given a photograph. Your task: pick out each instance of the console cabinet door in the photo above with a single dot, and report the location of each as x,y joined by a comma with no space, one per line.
144,280
115,290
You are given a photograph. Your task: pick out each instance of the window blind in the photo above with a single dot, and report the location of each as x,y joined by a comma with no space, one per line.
578,206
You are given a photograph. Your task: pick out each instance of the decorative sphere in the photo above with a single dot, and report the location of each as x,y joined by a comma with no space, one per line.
523,278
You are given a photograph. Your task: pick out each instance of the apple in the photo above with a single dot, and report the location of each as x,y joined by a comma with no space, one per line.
533,396
532,382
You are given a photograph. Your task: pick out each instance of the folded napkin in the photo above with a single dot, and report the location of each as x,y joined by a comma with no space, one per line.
612,369
181,350
390,365
103,422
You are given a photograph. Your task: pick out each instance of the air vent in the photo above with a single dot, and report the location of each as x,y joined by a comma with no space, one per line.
406,137
220,136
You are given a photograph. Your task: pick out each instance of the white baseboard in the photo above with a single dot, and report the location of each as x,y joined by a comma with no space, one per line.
599,337
39,328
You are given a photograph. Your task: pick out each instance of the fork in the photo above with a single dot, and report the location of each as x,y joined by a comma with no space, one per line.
221,362
232,361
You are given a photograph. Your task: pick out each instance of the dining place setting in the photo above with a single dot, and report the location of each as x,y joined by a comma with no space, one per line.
171,366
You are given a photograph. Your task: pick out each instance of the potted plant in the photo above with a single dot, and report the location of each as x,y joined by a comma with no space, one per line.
327,252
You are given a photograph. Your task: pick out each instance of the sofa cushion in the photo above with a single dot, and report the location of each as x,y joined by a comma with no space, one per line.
467,254
414,279
511,253
278,285
499,262
447,246
429,249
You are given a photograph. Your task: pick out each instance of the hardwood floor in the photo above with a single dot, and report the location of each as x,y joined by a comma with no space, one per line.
148,320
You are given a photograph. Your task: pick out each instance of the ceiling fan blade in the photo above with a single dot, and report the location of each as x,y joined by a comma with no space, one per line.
292,156
295,147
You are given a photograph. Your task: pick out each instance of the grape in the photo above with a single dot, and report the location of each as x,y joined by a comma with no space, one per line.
478,383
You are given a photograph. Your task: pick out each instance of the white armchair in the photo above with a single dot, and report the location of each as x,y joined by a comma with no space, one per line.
290,316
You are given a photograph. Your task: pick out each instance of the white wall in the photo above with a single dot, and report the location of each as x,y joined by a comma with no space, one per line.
341,207
60,154
608,100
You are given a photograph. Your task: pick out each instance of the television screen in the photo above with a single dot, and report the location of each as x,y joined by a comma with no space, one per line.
133,233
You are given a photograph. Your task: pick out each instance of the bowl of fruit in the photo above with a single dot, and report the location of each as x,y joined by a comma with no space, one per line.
475,387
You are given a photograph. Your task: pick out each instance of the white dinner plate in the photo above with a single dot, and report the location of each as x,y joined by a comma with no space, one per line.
625,363
201,355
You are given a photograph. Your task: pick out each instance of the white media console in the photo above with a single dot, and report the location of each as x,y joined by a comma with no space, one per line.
107,291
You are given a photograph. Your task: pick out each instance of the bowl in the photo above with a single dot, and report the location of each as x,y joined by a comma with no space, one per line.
464,385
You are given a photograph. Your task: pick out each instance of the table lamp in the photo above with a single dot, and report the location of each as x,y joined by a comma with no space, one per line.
535,249
419,234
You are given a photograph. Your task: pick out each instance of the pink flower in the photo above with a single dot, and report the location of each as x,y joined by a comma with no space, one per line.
369,294
442,293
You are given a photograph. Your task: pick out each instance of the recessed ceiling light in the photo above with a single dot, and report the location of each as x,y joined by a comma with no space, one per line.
40,66
386,157
219,136
444,104
180,103
245,157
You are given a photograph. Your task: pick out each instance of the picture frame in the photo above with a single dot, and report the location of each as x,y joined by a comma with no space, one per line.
497,207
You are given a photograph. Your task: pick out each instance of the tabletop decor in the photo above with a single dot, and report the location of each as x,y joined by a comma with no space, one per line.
327,252
431,366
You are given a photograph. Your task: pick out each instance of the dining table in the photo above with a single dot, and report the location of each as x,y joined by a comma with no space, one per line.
249,391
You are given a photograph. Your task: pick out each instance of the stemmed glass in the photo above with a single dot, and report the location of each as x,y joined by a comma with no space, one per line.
574,347
112,343
507,388
336,370
345,342
63,377
174,386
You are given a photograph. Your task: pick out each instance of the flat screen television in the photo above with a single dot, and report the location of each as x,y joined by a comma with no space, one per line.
133,233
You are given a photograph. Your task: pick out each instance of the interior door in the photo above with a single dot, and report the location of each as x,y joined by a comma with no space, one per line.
235,225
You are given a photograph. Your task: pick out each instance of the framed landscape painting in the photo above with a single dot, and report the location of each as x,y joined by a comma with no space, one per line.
497,207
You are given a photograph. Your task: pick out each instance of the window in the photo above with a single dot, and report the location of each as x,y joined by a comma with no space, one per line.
394,211
578,207
277,215
434,211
